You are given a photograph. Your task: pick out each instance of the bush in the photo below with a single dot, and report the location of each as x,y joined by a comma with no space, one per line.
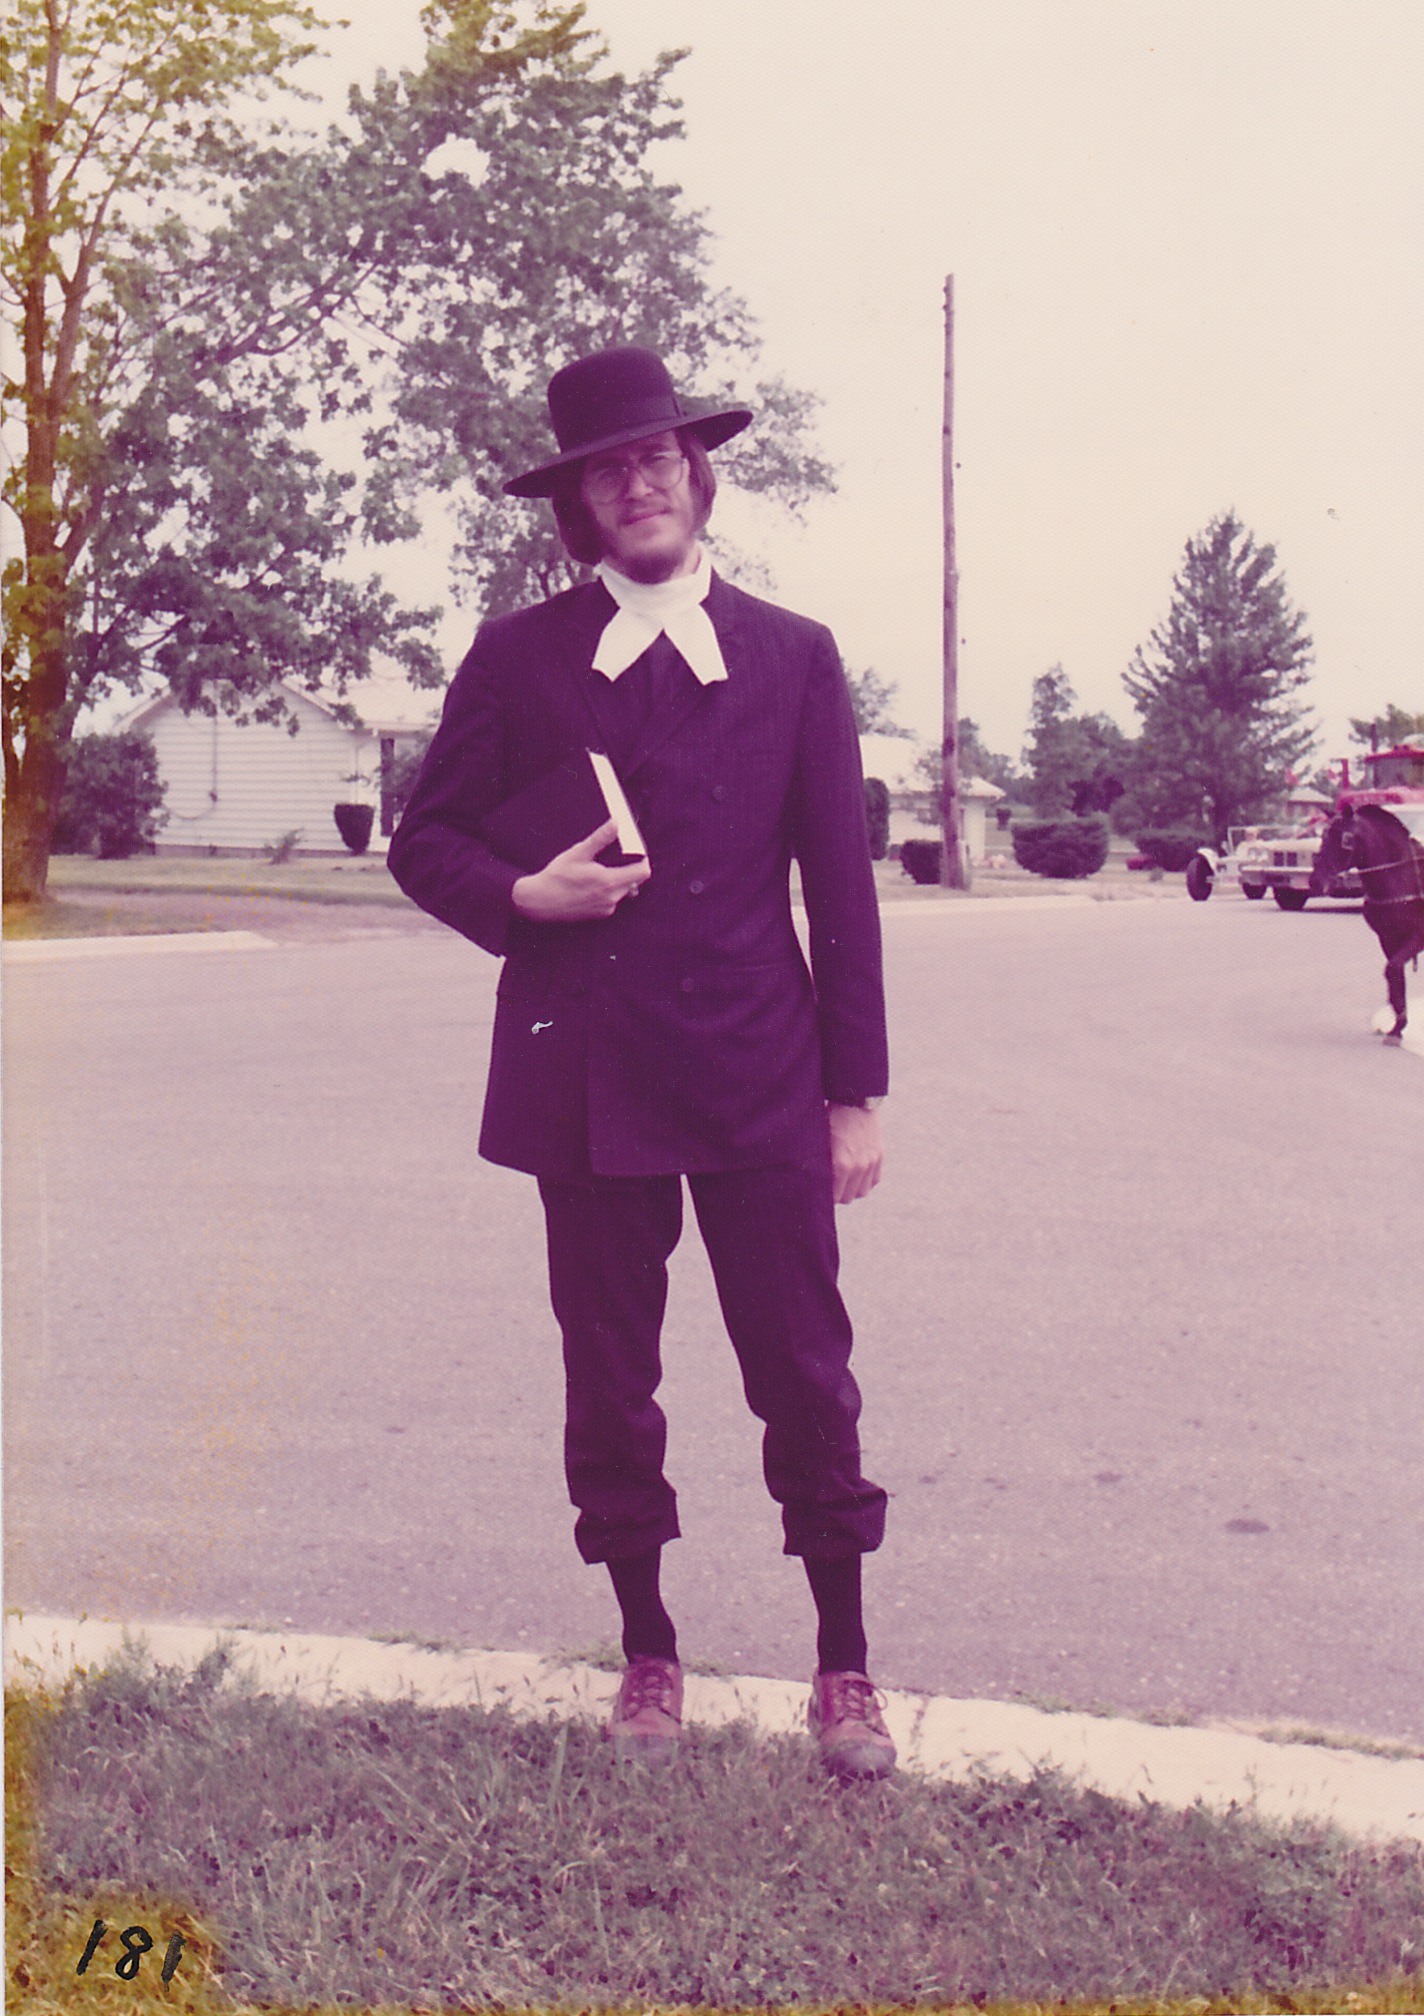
354,823
112,803
1171,847
398,778
1065,848
921,859
877,816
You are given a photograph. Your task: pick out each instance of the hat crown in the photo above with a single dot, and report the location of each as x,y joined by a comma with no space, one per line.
610,392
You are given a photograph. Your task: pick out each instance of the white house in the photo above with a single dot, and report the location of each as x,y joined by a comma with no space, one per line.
892,759
243,787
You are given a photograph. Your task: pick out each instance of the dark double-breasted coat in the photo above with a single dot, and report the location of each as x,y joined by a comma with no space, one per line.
685,1033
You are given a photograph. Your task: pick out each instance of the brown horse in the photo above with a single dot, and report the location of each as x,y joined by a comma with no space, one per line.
1379,848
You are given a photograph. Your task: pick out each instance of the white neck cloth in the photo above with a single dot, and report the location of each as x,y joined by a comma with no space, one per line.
649,609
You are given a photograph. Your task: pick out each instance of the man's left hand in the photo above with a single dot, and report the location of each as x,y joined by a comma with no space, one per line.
857,1152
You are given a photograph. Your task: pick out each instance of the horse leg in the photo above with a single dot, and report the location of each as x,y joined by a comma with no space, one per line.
1394,976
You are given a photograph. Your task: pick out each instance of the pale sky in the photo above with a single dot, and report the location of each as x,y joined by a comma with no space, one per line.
1185,236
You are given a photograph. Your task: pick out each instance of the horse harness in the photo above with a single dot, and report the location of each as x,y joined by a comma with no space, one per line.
1413,859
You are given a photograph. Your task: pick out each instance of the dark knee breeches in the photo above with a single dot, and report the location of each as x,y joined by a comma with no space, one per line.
771,1238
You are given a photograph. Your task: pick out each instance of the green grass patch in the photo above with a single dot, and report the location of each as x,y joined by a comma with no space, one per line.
394,1856
54,918
343,879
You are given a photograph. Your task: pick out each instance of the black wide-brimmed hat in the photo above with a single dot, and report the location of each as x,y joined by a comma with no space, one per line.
614,397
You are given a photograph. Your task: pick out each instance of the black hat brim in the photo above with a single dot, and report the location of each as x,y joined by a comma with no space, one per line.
711,429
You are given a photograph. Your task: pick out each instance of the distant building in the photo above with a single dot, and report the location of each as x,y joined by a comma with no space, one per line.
912,815
239,788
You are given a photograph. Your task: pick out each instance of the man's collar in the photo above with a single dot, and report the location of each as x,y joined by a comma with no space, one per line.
647,610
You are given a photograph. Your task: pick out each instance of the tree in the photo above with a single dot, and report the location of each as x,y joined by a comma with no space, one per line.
1386,729
975,760
1223,732
204,309
1074,761
104,105
871,699
543,236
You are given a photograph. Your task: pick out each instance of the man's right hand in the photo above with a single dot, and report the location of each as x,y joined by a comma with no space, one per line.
576,886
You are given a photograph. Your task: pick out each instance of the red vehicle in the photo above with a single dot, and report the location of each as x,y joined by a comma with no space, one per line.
1393,778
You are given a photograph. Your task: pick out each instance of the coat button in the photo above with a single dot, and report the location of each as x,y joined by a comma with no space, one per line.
719,792
696,888
688,985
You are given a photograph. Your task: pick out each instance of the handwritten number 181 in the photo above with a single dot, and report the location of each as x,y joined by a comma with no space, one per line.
136,1940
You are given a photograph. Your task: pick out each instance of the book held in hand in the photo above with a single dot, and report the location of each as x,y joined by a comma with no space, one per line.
561,808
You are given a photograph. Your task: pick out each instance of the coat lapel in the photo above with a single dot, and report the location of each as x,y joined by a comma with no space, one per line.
668,718
589,612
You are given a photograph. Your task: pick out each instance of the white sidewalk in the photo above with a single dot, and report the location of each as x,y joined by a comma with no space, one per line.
1373,1797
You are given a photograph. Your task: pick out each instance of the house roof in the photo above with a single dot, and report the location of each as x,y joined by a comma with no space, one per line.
159,703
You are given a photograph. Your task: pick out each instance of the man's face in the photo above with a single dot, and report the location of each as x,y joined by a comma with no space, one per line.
649,527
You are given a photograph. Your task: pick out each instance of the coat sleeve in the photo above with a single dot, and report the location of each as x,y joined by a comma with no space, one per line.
436,854
832,846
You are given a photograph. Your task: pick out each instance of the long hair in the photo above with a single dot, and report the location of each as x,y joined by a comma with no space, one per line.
579,529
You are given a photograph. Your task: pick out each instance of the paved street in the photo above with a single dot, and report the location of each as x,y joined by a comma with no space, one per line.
1140,1308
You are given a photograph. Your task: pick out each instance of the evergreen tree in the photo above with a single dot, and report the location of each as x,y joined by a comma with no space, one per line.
1223,732
1386,729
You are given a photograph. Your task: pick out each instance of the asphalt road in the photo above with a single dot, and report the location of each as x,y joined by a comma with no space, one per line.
1140,1309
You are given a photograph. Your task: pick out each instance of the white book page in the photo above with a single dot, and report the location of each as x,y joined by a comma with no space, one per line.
630,840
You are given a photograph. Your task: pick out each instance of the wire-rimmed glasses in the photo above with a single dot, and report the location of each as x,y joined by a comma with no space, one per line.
606,477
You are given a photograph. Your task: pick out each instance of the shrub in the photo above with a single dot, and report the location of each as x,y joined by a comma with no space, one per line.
877,816
354,823
112,803
398,778
921,859
1065,848
1171,847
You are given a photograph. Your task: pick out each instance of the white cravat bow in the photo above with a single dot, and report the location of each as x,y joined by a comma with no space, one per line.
649,609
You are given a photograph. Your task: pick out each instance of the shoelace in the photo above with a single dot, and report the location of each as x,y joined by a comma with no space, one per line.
648,1686
851,1699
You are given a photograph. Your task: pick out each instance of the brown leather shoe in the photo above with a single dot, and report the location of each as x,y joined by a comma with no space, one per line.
844,1714
646,1722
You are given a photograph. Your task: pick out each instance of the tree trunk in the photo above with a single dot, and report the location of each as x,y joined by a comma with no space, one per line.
30,813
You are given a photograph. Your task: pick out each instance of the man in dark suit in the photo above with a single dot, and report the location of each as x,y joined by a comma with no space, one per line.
656,1019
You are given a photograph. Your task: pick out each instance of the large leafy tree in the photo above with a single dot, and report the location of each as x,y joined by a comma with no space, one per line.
106,107
1069,754
543,235
1224,731
872,701
208,309
976,759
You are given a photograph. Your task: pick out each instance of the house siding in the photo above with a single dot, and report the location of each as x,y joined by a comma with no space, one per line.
227,784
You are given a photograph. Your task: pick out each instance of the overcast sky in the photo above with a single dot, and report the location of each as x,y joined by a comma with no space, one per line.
1185,236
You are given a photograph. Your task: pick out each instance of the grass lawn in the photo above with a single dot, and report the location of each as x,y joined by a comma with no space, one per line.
89,898
158,894
354,878
396,1857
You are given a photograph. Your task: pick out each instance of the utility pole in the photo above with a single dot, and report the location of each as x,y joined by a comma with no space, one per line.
954,870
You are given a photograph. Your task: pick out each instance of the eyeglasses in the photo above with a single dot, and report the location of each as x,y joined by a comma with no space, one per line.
606,480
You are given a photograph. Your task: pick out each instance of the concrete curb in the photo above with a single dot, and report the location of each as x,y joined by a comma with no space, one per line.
37,951
1378,1798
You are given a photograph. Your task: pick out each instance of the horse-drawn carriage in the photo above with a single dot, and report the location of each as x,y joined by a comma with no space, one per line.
1372,846
1282,858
